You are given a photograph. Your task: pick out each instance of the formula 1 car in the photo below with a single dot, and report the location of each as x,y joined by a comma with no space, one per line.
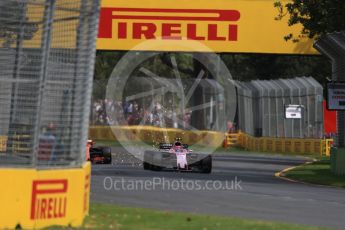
177,156
98,154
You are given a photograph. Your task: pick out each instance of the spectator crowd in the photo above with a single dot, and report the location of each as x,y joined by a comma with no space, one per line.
108,112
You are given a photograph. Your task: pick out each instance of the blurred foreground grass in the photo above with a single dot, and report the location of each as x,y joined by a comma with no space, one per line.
318,172
116,217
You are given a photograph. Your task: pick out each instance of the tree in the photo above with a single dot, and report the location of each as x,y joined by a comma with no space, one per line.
159,64
245,67
317,17
105,63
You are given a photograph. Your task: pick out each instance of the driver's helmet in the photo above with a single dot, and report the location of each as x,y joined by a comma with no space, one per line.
90,142
178,143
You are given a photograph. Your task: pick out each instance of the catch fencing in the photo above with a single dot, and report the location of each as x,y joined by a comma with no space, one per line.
262,103
47,50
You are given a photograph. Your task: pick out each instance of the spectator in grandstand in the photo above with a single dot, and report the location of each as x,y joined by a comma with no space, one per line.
47,143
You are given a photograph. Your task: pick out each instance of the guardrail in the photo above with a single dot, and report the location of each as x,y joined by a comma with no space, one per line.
285,145
231,140
151,134
3,143
19,143
327,146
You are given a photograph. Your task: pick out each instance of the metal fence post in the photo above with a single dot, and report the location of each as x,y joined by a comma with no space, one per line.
45,48
333,46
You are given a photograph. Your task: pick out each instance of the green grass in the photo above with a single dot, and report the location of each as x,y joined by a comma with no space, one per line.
317,173
244,151
115,217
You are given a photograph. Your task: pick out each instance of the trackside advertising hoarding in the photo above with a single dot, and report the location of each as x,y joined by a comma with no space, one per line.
336,96
293,111
240,26
36,199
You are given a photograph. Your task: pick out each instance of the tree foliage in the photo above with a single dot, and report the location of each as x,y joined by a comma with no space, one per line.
159,64
243,67
317,17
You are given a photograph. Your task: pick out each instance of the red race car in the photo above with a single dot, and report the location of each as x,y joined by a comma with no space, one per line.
98,154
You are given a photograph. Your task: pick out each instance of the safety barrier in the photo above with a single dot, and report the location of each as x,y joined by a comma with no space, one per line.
18,143
285,145
231,140
150,134
34,199
3,143
326,145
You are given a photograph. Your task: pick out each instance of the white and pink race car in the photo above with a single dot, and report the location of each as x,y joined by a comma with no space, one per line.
177,156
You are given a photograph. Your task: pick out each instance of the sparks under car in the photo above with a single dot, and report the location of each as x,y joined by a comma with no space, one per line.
177,156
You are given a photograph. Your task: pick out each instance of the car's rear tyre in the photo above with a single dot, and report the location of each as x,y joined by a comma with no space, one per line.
206,165
156,168
147,166
147,159
106,151
108,161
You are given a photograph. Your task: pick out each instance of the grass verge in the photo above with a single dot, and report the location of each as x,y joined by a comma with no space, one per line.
242,150
116,217
318,172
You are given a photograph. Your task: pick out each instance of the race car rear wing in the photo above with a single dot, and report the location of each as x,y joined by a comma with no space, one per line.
167,146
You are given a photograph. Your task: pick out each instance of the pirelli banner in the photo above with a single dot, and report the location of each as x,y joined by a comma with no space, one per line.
240,26
34,199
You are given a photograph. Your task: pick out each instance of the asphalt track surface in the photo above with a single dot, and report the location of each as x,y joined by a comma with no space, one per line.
258,194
